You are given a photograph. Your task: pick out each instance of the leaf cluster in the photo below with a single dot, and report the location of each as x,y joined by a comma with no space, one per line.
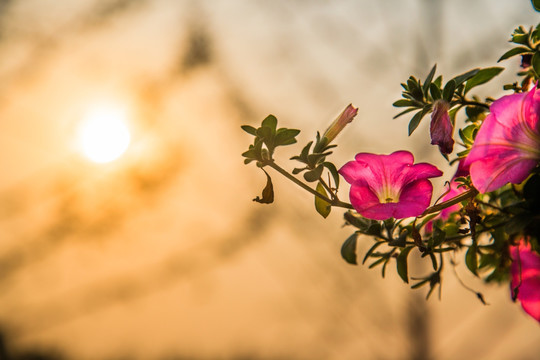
420,97
528,47
267,138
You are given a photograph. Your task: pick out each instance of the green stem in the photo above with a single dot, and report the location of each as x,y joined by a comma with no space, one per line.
456,200
283,172
323,183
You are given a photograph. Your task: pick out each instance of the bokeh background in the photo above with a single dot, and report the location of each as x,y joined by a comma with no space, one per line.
161,254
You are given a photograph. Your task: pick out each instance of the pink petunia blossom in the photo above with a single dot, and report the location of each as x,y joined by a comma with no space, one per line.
507,146
441,127
386,186
525,272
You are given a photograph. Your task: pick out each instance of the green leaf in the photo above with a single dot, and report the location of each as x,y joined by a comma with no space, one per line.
415,121
372,250
401,261
405,103
270,122
333,171
405,112
322,207
267,193
460,79
448,91
471,259
249,129
536,4
535,62
357,220
514,52
482,77
438,81
314,175
435,92
438,236
348,249
522,39
427,82
297,171
286,136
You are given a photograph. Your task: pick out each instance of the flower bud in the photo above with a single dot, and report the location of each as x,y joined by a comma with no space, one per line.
441,128
335,128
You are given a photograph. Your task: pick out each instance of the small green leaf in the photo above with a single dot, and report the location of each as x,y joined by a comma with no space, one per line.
521,39
536,4
513,52
448,91
357,220
460,79
297,171
286,136
435,92
427,82
404,112
482,77
438,236
372,250
249,129
535,62
401,261
348,249
322,206
471,259
415,121
304,153
314,175
333,171
405,103
270,122
267,193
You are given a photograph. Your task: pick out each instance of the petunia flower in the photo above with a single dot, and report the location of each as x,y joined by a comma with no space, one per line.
441,127
525,283
386,186
507,146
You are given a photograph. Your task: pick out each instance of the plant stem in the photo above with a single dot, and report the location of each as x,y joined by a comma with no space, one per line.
438,207
284,172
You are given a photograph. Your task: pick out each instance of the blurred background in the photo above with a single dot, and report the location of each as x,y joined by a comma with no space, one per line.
148,245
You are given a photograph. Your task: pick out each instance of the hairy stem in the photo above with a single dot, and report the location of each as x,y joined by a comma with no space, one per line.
438,207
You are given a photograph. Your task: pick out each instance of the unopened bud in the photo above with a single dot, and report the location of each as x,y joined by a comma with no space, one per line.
335,128
441,128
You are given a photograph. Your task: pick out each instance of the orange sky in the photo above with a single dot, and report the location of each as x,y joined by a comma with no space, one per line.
161,254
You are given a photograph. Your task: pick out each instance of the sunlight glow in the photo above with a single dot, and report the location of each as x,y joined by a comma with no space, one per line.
103,133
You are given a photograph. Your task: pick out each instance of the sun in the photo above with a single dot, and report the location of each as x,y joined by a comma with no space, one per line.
103,133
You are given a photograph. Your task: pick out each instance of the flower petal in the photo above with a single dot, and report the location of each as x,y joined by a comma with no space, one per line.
497,171
414,199
525,272
367,204
507,146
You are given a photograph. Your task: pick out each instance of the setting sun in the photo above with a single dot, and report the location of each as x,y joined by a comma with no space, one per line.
103,134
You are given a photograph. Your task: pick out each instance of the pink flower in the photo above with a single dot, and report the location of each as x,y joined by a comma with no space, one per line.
507,146
385,186
525,272
441,128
